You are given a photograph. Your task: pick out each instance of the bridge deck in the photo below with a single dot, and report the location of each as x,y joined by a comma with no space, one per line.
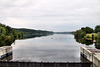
44,64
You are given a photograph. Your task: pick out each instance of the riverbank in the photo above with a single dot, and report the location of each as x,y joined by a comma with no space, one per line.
8,35
88,36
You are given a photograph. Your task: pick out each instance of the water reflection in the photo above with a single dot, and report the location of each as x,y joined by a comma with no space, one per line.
58,48
89,42
84,41
97,44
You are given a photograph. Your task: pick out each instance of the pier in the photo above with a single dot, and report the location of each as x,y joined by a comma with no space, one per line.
91,54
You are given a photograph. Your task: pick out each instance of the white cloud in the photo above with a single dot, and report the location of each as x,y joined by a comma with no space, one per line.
57,15
20,2
14,22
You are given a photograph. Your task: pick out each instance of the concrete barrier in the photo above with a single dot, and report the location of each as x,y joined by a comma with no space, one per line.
5,50
92,54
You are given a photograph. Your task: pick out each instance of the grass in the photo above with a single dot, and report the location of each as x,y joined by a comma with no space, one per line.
89,36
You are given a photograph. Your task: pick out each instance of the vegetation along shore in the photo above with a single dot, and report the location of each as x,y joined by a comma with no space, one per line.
8,35
87,35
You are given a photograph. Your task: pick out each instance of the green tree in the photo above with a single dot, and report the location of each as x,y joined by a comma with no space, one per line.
98,35
80,34
2,30
87,29
97,28
97,44
8,35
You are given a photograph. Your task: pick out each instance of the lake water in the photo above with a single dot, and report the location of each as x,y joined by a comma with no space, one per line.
57,47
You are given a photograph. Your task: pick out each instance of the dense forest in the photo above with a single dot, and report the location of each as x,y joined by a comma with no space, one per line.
88,36
8,35
30,33
64,32
88,33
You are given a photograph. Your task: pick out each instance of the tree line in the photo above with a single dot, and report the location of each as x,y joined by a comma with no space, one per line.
8,35
88,36
81,33
31,33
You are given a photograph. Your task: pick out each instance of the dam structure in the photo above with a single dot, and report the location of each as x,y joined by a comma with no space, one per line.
5,51
91,54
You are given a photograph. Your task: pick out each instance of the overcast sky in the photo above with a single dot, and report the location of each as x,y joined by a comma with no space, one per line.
52,15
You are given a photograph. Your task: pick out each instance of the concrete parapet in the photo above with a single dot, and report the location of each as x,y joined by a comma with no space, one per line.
5,50
92,54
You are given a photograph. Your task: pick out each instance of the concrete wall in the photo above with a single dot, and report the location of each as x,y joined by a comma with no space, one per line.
5,50
92,57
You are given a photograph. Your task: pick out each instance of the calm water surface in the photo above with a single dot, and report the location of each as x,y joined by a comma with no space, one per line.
57,47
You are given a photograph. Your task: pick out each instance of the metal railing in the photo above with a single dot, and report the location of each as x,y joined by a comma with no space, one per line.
44,64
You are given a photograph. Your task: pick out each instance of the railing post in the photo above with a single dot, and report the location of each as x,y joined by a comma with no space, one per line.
67,64
29,64
41,64
18,64
7,64
54,64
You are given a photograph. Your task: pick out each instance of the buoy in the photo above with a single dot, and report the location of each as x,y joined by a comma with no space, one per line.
94,41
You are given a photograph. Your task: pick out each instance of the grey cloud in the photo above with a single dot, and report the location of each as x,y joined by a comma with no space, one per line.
58,15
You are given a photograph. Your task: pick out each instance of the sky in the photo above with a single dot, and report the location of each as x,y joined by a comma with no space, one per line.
51,15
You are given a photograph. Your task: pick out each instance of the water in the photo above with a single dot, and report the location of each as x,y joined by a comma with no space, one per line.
57,47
